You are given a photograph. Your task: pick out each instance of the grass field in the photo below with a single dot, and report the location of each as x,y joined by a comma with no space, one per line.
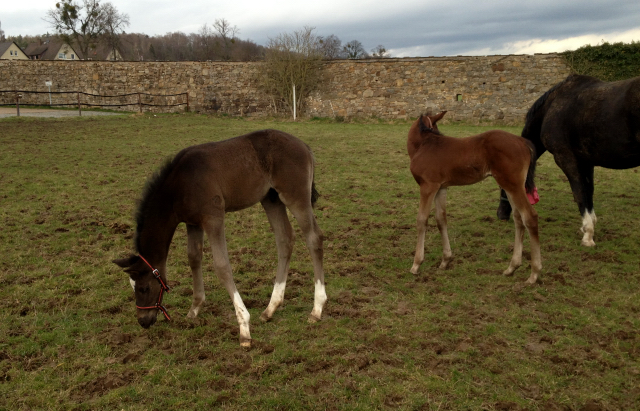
465,338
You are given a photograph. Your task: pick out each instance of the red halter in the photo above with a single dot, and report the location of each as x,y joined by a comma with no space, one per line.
163,288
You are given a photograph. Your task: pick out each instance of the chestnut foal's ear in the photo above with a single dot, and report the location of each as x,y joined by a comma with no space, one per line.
428,123
126,262
438,116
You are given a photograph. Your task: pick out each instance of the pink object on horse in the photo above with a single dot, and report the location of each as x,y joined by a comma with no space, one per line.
533,196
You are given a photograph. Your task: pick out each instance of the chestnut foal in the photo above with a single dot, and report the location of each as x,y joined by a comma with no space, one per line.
438,162
198,187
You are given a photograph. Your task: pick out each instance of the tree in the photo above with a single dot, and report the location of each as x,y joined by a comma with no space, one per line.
206,43
1,33
379,51
80,24
227,33
114,24
354,50
331,47
292,60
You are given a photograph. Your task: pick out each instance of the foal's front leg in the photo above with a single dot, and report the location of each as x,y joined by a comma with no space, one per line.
441,220
427,193
215,231
195,240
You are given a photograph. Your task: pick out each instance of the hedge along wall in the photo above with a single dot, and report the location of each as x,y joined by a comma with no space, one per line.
470,88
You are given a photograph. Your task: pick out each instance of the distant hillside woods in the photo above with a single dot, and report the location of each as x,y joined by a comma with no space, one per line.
174,47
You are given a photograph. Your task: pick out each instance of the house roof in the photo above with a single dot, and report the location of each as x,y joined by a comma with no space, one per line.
101,52
46,51
4,46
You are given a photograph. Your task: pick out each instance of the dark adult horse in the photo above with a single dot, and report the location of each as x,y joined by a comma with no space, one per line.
585,122
198,187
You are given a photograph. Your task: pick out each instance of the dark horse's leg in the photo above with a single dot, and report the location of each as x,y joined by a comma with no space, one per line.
504,208
580,177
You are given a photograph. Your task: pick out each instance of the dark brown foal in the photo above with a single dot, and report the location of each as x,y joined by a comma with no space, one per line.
438,162
198,187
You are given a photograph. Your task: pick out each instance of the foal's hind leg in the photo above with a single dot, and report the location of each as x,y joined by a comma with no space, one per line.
427,193
195,239
277,215
441,220
516,259
313,237
526,216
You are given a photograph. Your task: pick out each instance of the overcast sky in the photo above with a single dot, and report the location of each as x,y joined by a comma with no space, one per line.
405,28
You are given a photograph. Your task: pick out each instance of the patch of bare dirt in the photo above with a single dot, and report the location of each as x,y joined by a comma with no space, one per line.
104,384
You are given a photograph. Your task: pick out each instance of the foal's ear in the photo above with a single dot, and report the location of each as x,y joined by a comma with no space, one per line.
438,116
126,262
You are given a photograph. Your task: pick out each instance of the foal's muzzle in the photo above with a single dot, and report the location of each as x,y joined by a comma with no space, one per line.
147,321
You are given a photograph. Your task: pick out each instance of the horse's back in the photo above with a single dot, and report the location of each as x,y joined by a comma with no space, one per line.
595,120
239,172
467,160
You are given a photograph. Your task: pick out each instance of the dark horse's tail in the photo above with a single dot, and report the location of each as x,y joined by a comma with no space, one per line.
532,132
529,184
535,116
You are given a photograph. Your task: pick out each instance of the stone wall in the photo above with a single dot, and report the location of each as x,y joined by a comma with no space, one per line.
212,86
471,88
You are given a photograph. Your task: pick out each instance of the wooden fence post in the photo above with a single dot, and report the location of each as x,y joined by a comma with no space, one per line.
79,107
18,103
187,93
139,103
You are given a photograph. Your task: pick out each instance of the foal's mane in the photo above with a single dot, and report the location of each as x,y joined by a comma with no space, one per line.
151,187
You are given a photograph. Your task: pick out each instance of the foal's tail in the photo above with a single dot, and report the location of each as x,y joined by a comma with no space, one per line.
529,184
314,194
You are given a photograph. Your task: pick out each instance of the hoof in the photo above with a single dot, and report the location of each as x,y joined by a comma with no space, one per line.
245,343
312,319
531,280
264,317
588,243
444,265
508,272
414,269
192,314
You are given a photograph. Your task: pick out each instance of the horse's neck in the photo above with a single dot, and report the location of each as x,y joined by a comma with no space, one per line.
154,238
417,139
